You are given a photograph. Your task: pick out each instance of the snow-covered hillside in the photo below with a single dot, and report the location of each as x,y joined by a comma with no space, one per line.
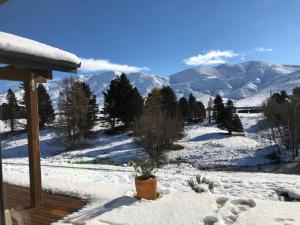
247,83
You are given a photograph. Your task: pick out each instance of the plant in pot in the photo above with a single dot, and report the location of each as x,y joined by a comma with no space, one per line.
145,181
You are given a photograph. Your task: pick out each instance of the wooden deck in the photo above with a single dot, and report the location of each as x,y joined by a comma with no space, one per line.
54,208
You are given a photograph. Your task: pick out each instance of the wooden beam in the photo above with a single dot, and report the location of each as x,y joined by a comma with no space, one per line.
33,142
13,73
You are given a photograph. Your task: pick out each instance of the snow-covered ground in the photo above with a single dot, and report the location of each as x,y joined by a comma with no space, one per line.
250,197
210,147
238,198
204,145
5,128
118,148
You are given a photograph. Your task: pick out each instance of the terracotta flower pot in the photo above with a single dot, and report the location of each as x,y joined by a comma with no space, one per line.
146,188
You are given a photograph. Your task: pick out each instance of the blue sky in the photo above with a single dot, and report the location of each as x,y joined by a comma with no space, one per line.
160,36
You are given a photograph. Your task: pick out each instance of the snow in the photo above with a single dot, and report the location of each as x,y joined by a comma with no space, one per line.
293,193
210,146
238,198
5,128
13,43
204,145
110,191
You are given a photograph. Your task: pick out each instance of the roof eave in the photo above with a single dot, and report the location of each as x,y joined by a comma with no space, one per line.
35,62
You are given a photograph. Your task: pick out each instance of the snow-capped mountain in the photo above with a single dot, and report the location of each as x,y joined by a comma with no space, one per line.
247,83
99,83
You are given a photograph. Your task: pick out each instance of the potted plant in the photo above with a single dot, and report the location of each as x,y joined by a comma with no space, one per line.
145,181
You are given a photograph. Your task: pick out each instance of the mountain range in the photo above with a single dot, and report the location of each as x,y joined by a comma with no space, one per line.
247,83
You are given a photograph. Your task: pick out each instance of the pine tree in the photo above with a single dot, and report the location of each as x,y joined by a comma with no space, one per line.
228,116
237,125
122,102
231,120
168,101
184,108
192,103
12,112
202,111
93,106
197,110
218,110
296,92
46,111
281,97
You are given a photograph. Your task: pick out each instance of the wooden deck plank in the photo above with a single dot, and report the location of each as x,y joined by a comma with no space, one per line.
55,207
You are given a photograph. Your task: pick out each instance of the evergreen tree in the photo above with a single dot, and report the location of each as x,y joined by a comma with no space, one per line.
184,108
12,112
281,97
202,111
218,110
228,116
46,111
296,92
231,120
237,123
197,110
168,101
93,106
192,103
122,102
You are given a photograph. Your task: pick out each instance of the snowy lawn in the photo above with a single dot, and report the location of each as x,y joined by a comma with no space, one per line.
237,198
117,148
211,147
204,145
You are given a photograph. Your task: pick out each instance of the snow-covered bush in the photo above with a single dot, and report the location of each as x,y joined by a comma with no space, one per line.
288,194
202,184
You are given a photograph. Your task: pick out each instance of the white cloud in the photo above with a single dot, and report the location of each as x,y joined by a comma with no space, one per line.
210,58
94,65
261,49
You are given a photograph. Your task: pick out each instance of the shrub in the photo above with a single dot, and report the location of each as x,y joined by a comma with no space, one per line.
155,133
144,169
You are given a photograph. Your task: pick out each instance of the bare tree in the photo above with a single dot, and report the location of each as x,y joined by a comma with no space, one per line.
283,120
155,132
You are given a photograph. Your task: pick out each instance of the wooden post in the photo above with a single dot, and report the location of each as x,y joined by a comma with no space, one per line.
33,142
2,215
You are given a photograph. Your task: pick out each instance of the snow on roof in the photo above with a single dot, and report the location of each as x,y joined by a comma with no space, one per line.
17,44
